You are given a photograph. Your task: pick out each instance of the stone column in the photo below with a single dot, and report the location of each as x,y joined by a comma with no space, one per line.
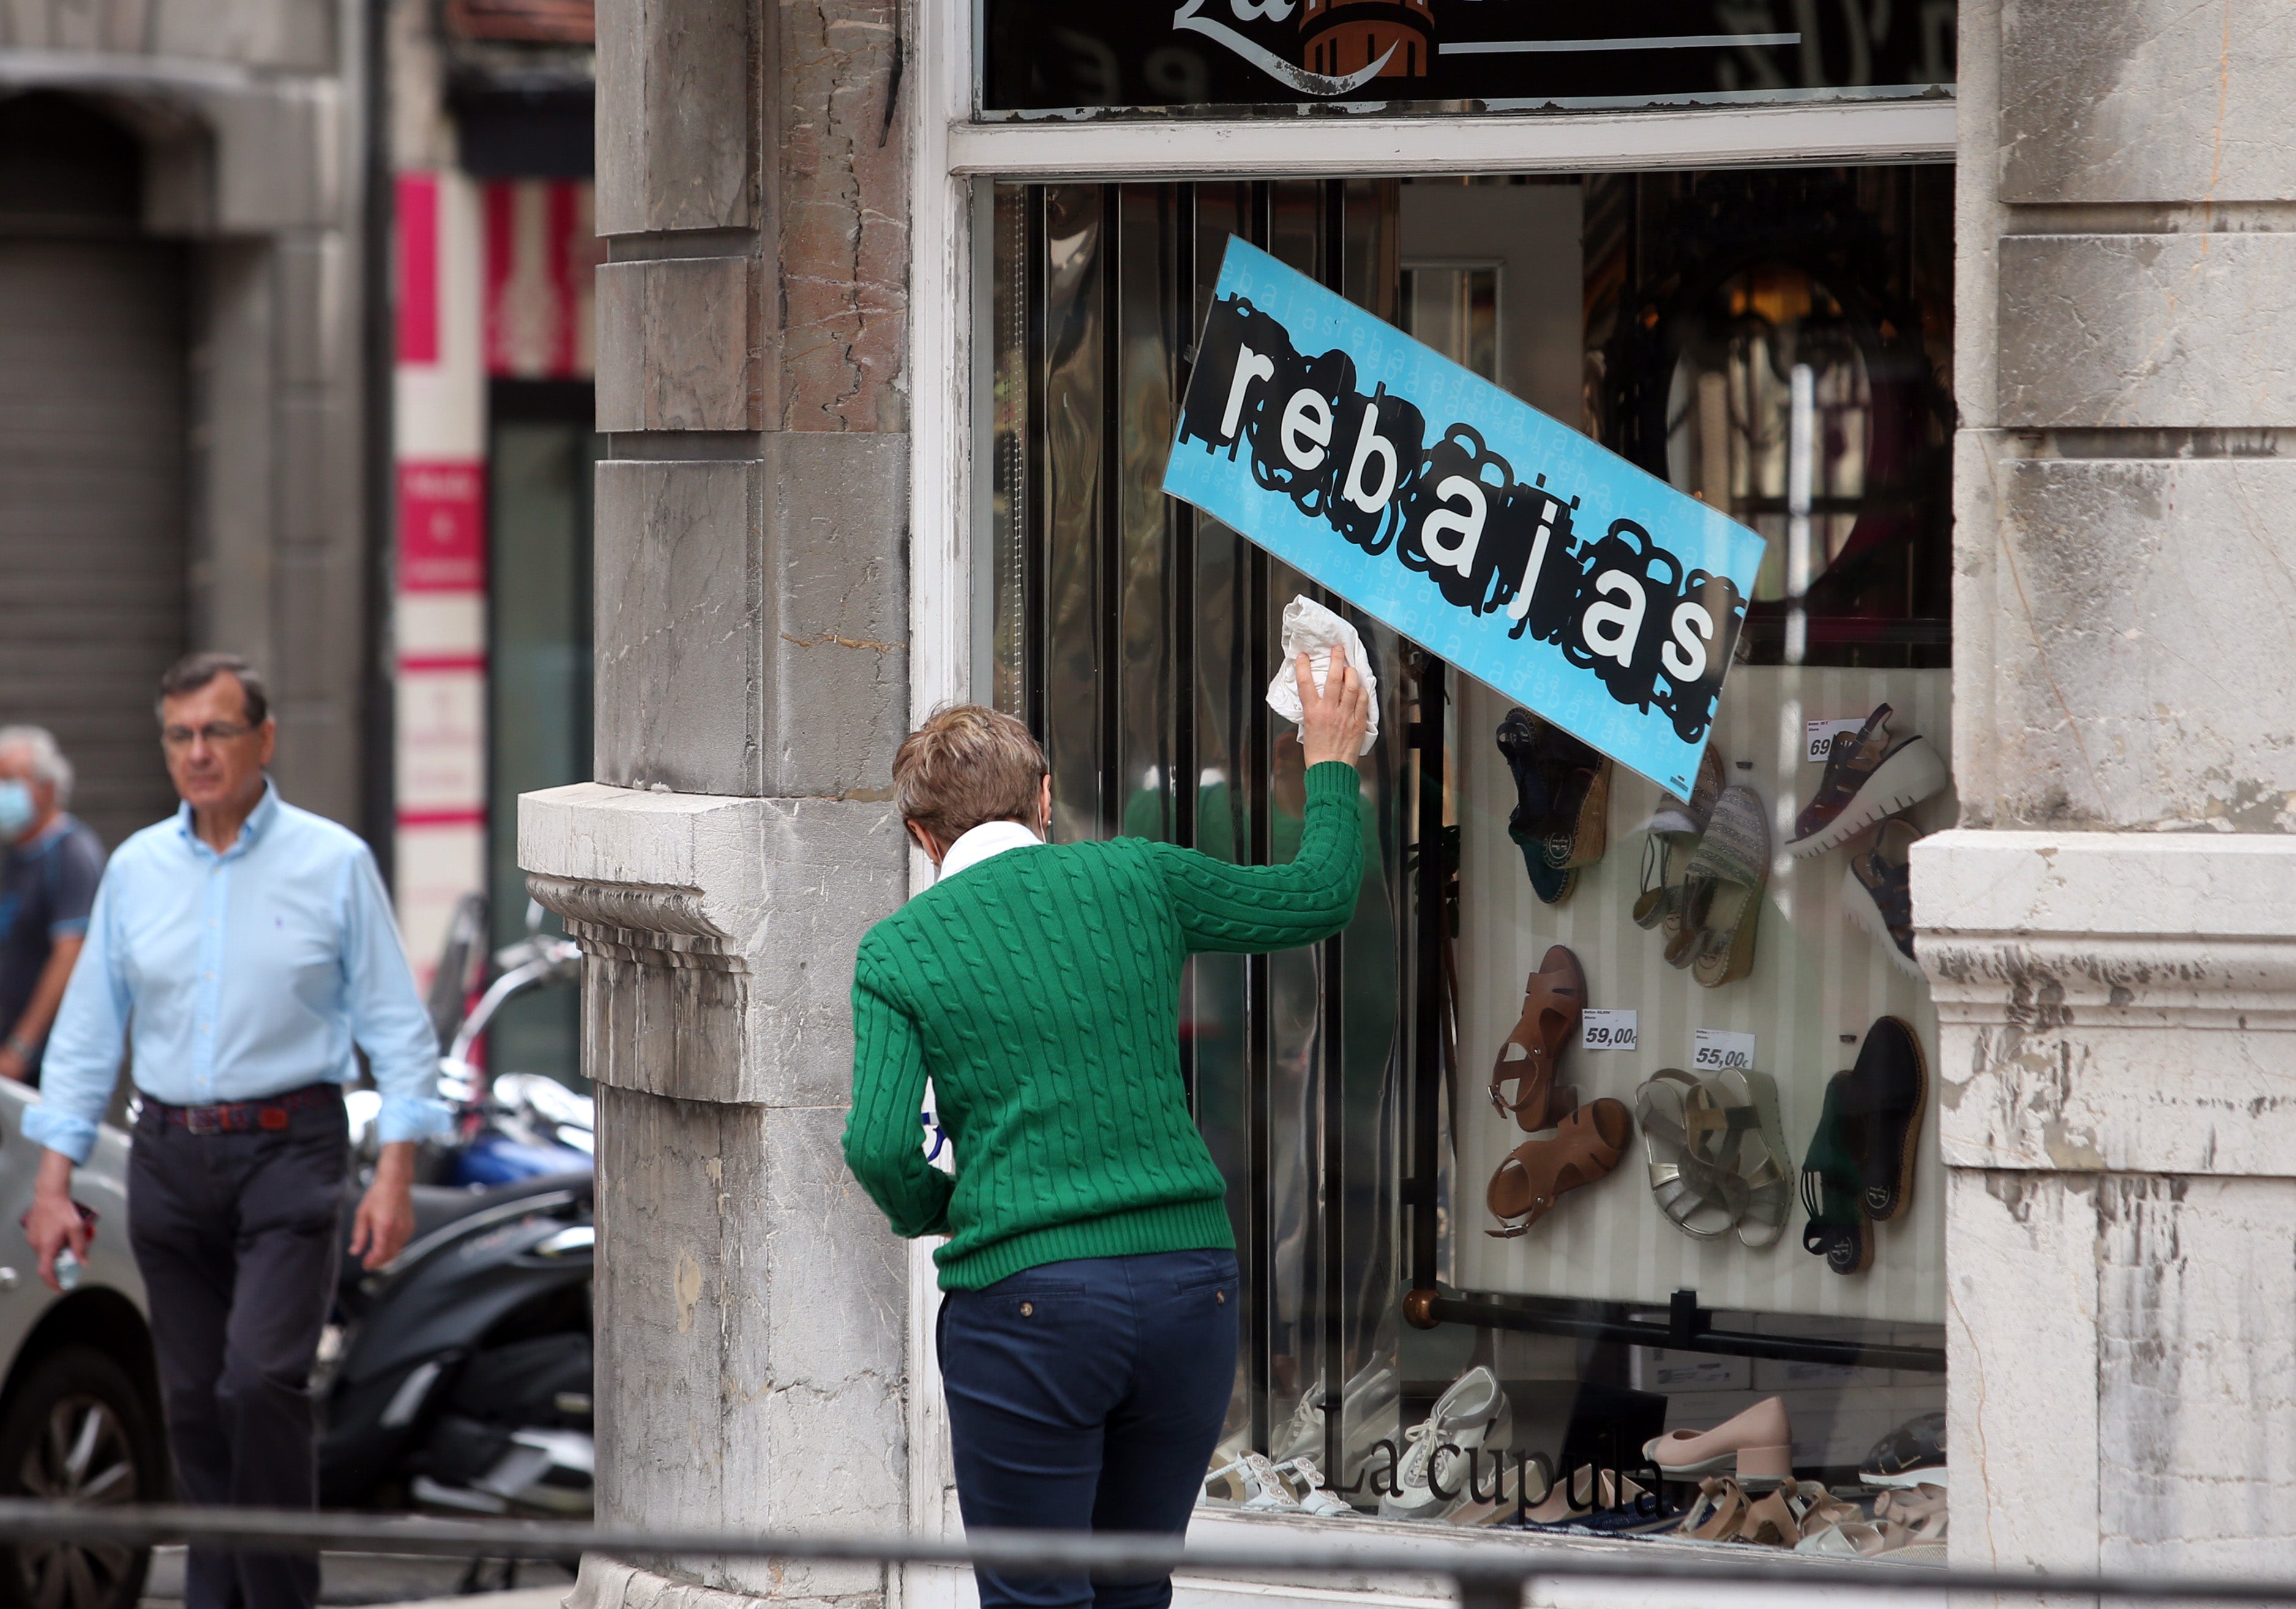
2110,931
751,684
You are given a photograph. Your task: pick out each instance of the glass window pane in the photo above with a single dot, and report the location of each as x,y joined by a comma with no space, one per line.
1072,448
538,691
1151,282
1008,448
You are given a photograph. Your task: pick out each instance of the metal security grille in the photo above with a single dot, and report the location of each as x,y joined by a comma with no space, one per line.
92,496
1136,638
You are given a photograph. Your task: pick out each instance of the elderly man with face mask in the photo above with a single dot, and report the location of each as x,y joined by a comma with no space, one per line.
48,873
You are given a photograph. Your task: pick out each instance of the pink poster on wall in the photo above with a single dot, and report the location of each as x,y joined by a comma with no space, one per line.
418,267
442,527
542,255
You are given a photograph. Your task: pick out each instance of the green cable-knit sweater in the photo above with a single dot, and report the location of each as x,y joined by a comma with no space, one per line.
1040,990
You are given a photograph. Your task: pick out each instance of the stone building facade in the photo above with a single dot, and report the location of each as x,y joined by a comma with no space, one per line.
185,295
793,541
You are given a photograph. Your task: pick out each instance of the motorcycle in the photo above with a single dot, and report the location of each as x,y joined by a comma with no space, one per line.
515,1125
511,1126
458,1377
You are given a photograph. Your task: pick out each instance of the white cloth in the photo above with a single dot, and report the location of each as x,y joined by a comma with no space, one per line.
973,846
1315,631
977,844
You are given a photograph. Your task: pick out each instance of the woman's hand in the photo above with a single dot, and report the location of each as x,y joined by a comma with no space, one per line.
1331,722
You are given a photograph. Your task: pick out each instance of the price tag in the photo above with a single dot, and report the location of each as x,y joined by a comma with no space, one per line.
1715,1049
1820,733
1607,1030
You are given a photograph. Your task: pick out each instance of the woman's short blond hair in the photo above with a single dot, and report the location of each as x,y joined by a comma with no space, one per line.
966,765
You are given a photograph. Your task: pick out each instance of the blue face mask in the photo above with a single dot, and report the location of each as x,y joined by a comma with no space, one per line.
16,810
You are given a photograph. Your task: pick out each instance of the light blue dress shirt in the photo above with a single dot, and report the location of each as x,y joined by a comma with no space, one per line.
238,975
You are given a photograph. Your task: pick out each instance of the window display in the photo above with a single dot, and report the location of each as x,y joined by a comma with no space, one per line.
1677,1266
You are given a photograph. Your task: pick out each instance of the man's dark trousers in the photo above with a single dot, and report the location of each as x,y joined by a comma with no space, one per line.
237,1236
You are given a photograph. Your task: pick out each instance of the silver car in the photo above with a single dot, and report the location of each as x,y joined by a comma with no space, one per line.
79,1397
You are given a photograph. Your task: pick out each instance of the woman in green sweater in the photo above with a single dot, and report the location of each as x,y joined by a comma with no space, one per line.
1087,1335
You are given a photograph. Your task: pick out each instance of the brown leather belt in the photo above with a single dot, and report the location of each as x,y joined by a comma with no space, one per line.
269,1114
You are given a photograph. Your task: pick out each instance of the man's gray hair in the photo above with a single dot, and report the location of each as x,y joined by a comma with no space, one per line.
48,761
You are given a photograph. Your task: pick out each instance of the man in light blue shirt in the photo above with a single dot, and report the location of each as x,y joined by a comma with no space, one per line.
240,950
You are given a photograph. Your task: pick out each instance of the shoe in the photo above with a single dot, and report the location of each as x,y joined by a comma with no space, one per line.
1868,775
1586,809
1470,1418
1882,1108
1685,818
1696,1191
1510,1494
1584,1146
1756,1446
1249,1481
1833,1529
1642,1513
1557,780
1718,1512
1580,1504
1676,825
1367,1416
1914,1524
1717,1155
1722,890
1832,1181
1858,1538
1552,886
1912,1455
1304,1482
1775,1519
1877,891
1761,1162
1553,998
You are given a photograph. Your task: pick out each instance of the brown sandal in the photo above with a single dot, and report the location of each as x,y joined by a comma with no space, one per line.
1718,1512
1586,1146
1553,997
1771,1520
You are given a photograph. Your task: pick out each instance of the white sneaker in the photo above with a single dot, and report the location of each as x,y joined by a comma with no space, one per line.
1253,1484
1366,1418
1309,1482
1471,1418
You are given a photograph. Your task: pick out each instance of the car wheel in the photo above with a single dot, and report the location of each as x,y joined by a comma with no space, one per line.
76,1430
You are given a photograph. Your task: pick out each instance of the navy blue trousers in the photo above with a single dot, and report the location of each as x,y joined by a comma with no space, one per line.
1088,1396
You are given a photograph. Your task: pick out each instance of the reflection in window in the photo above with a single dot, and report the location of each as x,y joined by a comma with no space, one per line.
1455,308
1137,638
1776,343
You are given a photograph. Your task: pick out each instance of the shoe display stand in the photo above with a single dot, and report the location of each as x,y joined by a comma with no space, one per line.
1818,981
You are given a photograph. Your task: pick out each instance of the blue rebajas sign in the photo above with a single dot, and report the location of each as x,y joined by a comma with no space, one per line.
1508,543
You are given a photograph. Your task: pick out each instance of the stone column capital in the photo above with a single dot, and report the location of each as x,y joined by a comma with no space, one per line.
2113,1002
720,932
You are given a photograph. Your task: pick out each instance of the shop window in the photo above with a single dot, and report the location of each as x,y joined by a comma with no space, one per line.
540,457
1777,344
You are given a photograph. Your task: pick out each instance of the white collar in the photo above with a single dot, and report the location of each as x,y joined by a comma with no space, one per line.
977,845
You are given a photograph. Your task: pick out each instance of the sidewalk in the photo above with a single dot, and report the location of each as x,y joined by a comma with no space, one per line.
387,1580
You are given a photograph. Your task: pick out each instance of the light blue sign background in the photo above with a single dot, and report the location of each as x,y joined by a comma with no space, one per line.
1218,479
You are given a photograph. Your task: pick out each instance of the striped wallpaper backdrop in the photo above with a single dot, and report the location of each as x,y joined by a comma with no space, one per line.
1816,979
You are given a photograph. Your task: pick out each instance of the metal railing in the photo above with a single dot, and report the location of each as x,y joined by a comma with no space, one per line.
1486,1576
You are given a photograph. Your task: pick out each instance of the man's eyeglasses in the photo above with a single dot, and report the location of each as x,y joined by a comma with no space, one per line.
215,732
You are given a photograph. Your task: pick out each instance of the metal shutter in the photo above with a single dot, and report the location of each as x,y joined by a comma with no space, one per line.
91,508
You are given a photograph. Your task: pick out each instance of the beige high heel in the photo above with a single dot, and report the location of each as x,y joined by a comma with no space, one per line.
1758,1445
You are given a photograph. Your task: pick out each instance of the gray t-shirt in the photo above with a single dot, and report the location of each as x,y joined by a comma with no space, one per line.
46,888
